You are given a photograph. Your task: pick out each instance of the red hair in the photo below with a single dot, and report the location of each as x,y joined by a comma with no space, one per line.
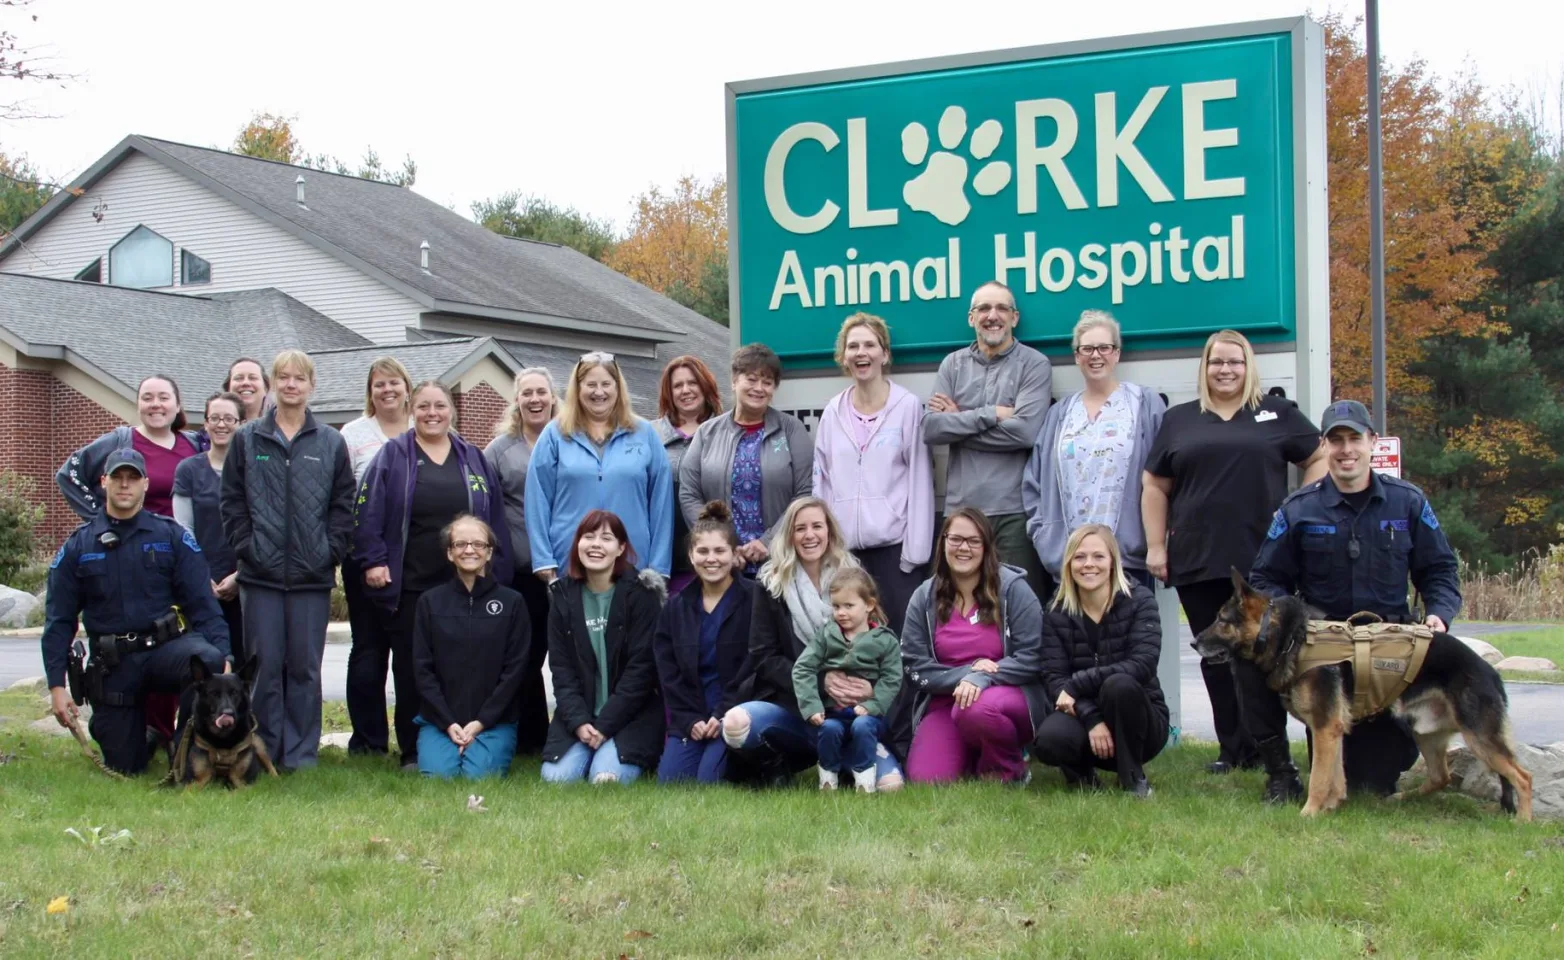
597,520
703,379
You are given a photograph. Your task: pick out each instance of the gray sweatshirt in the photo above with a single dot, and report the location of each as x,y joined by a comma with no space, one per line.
787,465
1020,622
510,454
1041,489
987,458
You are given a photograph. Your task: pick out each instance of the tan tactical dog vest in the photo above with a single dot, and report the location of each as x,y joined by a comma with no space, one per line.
1385,658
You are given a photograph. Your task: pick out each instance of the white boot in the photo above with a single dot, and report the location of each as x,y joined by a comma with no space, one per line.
827,779
864,779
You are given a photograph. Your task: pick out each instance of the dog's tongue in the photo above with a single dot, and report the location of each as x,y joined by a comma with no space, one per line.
223,721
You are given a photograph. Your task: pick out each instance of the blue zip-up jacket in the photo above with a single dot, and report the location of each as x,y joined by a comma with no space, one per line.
567,478
384,506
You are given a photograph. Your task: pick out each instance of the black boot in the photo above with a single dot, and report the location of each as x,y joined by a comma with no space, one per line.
1282,784
1080,778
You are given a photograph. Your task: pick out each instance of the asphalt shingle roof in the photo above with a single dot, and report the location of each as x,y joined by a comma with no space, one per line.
340,373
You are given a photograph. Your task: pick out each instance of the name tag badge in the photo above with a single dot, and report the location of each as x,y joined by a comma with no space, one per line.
1264,415
973,619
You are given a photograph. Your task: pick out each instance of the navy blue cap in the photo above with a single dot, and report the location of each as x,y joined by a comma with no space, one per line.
125,457
1347,413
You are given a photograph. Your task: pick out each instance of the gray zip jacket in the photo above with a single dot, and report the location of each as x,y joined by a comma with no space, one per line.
509,455
1021,623
1042,493
987,458
787,465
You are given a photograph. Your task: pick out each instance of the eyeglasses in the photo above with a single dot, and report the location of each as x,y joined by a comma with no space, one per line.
1217,364
477,546
224,421
971,543
999,308
597,356
1096,349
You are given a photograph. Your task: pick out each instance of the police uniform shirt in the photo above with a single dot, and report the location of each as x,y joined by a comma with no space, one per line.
1342,559
1228,477
122,587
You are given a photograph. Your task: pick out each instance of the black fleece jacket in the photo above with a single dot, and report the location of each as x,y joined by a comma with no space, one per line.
469,651
1131,644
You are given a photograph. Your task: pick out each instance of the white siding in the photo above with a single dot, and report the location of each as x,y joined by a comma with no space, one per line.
246,252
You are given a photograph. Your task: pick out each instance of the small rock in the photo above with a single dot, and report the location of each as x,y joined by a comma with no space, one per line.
50,726
1529,664
339,740
1546,764
1483,649
16,606
29,685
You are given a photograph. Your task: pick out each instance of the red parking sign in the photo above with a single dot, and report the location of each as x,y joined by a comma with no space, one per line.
1386,457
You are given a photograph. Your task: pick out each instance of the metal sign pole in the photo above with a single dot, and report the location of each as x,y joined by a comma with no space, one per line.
1376,215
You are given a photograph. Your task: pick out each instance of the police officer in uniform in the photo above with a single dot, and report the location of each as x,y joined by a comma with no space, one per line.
124,572
1344,544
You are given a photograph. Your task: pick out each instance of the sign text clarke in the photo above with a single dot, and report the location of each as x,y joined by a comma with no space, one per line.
1156,182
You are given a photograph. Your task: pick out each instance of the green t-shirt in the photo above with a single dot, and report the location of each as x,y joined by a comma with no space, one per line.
595,606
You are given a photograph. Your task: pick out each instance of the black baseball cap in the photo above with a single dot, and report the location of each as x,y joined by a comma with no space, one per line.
1347,413
125,457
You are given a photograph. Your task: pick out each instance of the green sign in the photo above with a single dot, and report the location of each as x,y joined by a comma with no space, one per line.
1155,181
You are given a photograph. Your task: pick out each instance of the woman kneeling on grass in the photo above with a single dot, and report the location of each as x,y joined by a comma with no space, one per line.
1102,639
470,637
608,717
858,643
971,647
702,648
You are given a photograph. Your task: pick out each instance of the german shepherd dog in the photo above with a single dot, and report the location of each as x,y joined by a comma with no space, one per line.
219,740
1455,692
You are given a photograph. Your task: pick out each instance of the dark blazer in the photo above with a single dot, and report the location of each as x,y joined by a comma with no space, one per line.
1131,644
677,645
633,715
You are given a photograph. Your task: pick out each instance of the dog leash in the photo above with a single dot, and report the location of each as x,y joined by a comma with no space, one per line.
86,749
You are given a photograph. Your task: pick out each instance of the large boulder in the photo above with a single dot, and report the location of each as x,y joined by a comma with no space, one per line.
1529,664
15,607
29,685
1483,649
1470,776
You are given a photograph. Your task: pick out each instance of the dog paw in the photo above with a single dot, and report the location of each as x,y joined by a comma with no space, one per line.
1310,810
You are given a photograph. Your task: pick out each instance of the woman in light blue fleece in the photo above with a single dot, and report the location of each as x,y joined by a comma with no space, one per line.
1087,464
598,456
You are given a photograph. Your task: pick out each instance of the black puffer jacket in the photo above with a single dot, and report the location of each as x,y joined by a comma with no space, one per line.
288,506
1131,644
633,715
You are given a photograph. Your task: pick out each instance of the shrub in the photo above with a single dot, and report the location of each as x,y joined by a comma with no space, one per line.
19,518
1531,590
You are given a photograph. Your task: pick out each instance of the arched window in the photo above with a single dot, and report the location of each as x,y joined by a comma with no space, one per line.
142,259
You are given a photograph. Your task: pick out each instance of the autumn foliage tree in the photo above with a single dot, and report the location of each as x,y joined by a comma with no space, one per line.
270,136
677,244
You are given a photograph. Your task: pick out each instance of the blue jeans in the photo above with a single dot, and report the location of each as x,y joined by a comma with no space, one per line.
581,762
489,755
777,732
862,735
705,761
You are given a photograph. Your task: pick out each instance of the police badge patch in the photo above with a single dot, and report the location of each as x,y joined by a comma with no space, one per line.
189,540
1428,516
58,556
1278,526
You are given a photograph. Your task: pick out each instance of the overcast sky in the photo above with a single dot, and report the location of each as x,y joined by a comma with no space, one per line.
585,103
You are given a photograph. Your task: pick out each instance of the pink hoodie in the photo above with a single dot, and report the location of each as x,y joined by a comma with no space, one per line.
885,494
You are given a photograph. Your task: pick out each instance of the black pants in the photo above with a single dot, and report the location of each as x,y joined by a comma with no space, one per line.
896,587
1201,601
398,629
120,726
368,659
532,698
233,614
1139,733
1374,755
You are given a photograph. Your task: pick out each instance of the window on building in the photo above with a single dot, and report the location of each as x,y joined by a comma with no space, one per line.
142,259
92,272
192,269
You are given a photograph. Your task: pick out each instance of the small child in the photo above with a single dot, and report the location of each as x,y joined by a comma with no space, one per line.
857,645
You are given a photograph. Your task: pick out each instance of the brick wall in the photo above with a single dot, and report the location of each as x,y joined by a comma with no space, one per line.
78,421
477,411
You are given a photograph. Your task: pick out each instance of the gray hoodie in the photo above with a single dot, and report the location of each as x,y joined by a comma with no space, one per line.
1021,622
787,465
1040,488
509,454
987,457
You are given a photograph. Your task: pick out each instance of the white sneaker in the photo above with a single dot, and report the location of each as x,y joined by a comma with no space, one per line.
827,779
863,780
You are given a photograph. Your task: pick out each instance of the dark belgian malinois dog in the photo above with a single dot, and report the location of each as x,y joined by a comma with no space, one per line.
1455,691
219,740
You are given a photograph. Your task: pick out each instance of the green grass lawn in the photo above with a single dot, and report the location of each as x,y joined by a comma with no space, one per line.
356,859
1547,642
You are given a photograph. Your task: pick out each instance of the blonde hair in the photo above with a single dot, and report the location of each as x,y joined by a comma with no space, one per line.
777,572
293,358
876,326
391,367
573,419
1091,320
1251,388
510,420
1068,598
857,580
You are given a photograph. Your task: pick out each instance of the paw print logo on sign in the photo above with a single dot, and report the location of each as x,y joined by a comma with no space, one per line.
941,189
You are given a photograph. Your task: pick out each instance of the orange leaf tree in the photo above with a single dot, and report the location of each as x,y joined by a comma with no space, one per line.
677,243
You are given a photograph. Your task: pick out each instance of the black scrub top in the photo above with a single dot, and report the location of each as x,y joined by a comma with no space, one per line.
439,495
1228,476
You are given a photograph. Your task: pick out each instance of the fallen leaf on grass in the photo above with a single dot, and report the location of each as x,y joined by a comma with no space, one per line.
58,905
1521,897
640,935
475,804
